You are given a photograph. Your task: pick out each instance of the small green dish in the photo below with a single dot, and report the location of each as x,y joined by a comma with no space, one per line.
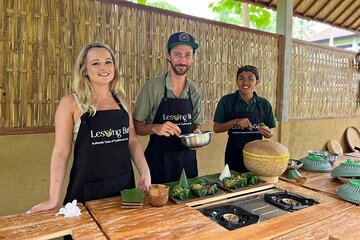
347,169
350,191
294,164
315,163
293,174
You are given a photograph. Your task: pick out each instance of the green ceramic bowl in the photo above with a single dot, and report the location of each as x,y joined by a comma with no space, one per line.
315,163
347,169
350,191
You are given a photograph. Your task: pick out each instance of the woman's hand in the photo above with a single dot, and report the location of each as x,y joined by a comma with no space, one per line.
145,182
44,206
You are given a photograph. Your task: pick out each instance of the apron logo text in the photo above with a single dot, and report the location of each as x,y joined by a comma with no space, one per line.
177,117
109,133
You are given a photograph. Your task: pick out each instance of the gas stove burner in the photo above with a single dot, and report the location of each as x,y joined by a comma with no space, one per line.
230,216
289,201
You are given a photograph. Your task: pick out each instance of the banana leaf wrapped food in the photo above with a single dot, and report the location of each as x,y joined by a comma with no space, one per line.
180,192
235,182
198,189
253,180
241,181
230,182
211,189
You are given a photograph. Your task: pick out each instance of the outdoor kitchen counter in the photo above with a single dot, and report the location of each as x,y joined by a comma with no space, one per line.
344,225
323,182
180,221
46,225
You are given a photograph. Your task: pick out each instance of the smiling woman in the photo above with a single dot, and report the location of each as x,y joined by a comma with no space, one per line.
106,140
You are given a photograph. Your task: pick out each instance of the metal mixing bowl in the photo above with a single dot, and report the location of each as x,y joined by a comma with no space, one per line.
329,156
195,140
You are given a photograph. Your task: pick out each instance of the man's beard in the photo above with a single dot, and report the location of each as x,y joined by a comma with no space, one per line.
177,71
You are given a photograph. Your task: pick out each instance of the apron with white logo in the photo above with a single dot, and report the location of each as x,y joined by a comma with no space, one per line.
238,137
102,164
166,156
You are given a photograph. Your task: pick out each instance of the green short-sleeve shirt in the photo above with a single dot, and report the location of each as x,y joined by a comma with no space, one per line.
152,93
225,108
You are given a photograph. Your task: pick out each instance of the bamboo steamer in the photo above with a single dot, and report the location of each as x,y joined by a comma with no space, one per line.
267,159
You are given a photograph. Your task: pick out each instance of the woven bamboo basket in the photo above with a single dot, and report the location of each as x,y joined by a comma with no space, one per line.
352,137
267,159
335,147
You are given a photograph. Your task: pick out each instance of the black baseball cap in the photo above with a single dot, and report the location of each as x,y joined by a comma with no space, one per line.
181,38
248,68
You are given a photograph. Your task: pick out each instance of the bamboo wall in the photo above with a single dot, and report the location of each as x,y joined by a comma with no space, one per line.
40,40
324,83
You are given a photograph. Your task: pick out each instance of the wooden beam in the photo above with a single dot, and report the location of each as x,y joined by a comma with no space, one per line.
297,5
26,130
342,12
355,19
309,7
321,8
332,10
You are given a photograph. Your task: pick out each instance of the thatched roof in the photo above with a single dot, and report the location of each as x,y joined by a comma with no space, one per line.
344,14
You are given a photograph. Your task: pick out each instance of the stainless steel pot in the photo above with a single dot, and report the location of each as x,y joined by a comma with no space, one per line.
195,140
329,156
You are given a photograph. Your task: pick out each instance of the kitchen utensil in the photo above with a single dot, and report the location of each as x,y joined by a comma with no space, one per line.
315,163
292,174
195,140
328,156
267,159
294,164
335,147
158,195
347,169
352,137
350,191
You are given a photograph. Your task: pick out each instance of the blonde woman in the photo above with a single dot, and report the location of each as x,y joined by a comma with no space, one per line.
96,117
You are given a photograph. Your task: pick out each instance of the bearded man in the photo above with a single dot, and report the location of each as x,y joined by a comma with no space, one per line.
167,107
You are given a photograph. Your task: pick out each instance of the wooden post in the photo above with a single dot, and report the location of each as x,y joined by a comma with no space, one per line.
284,27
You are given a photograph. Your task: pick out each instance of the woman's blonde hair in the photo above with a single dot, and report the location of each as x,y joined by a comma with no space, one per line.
81,83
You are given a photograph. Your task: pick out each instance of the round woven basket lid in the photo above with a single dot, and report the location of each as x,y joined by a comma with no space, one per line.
334,146
352,137
266,147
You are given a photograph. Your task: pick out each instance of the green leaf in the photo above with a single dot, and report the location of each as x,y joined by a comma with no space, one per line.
132,195
183,182
141,2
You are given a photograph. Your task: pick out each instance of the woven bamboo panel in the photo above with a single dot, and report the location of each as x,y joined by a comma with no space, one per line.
41,40
324,82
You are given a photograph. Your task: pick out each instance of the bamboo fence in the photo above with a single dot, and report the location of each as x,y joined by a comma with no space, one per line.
40,40
325,82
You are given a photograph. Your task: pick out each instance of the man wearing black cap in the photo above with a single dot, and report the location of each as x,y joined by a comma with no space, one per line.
168,106
244,115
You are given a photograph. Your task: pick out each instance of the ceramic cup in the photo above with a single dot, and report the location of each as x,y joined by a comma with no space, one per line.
158,195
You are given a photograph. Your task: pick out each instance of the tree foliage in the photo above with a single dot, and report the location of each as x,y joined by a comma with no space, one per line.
163,4
230,11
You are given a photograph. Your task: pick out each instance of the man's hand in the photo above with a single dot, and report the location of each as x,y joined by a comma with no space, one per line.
166,129
265,131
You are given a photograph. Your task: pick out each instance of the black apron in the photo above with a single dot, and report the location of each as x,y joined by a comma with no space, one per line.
166,156
102,164
238,137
